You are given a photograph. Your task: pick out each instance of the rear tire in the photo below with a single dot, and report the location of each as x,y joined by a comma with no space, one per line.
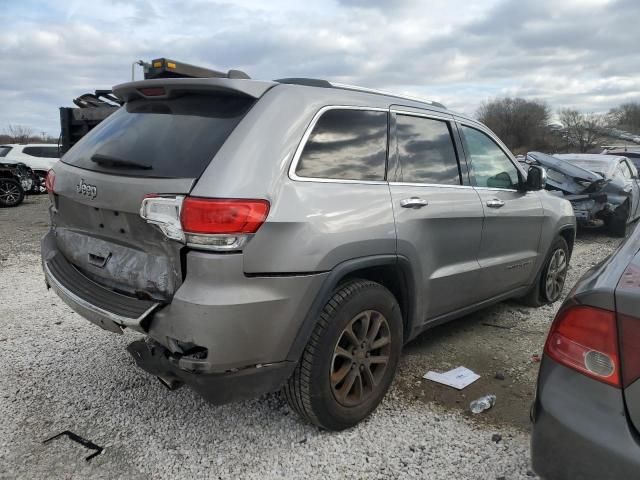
550,281
351,358
11,192
619,222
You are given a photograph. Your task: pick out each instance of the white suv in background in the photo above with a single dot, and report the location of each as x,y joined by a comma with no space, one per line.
40,157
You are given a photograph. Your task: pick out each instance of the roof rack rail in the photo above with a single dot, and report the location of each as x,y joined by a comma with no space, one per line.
307,82
316,82
356,88
165,68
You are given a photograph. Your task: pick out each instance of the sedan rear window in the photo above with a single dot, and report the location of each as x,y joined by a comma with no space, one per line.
172,138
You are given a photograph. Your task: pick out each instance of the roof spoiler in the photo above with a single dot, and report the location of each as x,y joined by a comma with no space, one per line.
172,87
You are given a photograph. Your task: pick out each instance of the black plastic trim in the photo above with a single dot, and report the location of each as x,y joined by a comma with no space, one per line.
333,280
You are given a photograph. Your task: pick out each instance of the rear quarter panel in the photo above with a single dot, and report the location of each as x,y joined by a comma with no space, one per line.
312,226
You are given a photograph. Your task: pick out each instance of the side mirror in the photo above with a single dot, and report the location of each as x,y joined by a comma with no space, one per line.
536,178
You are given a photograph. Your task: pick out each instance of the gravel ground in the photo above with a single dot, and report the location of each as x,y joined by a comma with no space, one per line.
62,373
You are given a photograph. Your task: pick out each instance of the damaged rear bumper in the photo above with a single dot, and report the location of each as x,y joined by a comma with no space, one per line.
103,307
240,384
224,333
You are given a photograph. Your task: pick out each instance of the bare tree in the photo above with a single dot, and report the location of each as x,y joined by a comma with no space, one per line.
627,116
583,130
19,133
521,124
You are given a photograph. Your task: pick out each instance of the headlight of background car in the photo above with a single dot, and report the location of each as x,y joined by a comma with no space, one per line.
26,183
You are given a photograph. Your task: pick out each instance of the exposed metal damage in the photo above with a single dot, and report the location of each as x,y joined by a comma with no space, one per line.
598,187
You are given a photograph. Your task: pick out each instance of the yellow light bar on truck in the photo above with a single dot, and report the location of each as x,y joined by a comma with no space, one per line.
166,68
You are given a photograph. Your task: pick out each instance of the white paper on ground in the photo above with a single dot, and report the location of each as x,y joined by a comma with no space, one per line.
457,378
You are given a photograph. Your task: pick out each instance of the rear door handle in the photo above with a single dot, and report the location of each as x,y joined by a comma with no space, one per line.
413,202
495,203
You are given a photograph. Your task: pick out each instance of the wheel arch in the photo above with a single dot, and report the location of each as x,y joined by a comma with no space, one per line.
392,271
568,232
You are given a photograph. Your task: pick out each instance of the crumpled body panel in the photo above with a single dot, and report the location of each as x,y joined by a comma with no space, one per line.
119,266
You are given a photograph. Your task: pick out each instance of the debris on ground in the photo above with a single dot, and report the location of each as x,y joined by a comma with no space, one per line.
459,378
535,358
78,439
496,437
483,403
499,376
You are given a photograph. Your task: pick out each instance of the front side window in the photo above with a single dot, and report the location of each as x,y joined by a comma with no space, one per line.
425,151
346,144
490,165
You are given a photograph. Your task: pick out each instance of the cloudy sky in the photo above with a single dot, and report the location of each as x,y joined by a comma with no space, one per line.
577,53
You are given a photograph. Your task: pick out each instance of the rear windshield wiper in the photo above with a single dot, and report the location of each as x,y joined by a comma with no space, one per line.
118,162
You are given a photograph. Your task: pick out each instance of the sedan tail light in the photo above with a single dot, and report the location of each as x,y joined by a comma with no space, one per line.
586,339
207,223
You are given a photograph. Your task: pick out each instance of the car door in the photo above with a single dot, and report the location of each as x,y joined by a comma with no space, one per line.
513,217
438,214
632,184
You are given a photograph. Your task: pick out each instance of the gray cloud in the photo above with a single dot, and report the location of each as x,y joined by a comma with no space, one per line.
577,53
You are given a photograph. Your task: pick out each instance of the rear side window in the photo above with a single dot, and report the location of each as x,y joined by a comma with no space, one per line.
346,145
425,151
4,151
42,152
175,138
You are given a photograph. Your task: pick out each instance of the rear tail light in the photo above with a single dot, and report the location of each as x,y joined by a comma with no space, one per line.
50,181
152,91
213,216
586,339
213,224
165,213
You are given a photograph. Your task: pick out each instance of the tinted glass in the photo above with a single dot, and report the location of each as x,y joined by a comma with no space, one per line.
46,152
4,151
425,151
626,171
49,152
346,145
31,151
491,166
160,138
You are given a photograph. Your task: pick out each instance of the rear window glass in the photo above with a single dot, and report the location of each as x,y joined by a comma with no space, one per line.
174,138
425,151
346,145
4,151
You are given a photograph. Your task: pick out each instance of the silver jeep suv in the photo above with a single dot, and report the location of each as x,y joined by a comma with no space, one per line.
293,234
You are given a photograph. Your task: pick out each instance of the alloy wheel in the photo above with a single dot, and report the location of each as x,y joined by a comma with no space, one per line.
556,275
9,193
360,358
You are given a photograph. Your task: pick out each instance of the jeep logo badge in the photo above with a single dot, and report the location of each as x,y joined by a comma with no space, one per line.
87,190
